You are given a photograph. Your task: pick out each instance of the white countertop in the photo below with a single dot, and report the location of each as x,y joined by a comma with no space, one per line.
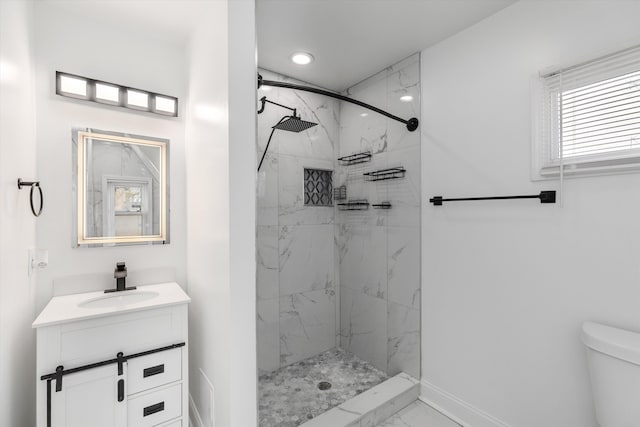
68,308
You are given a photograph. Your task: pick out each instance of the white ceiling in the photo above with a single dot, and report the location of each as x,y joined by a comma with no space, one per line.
171,21
353,39
350,39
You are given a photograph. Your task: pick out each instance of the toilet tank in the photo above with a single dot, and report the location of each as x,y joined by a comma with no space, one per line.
614,366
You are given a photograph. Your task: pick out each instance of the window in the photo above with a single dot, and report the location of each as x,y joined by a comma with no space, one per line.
127,211
587,117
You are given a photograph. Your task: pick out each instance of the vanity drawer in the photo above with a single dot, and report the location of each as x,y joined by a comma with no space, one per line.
156,407
154,370
176,423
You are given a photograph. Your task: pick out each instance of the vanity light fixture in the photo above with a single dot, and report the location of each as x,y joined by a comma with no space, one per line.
78,87
302,58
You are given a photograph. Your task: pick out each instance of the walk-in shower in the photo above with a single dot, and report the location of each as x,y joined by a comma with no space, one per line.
338,230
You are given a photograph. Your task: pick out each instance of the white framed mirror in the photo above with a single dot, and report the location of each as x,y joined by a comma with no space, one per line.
121,191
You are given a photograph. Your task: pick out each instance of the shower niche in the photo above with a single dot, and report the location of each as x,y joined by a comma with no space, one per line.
338,275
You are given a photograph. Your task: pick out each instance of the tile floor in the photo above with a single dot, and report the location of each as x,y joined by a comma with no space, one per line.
418,414
372,406
290,396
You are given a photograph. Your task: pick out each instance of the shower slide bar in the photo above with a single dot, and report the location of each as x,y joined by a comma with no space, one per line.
120,360
412,123
544,196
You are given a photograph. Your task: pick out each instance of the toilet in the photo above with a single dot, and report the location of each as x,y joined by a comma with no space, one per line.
614,366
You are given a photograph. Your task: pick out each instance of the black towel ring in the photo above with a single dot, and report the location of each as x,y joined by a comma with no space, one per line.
33,185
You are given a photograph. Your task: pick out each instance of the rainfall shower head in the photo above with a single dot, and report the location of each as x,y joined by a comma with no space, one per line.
291,123
294,124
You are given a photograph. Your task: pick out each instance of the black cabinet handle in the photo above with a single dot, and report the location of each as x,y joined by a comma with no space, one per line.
120,390
153,409
154,370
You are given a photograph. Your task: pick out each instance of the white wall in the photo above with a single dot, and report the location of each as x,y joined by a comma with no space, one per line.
207,135
17,224
220,161
242,205
113,52
507,284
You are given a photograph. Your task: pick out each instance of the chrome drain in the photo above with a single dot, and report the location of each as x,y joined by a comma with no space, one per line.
324,385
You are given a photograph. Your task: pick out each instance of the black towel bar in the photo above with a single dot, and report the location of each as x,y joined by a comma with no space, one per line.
544,196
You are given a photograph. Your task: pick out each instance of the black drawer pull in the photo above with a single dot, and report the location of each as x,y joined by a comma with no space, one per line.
153,409
120,390
154,370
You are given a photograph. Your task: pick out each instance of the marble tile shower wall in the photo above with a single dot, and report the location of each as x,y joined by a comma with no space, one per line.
379,250
328,277
297,285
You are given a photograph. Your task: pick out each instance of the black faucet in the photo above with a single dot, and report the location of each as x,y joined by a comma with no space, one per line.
120,274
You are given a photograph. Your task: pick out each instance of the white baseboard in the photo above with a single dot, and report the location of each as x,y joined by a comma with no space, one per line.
194,415
457,409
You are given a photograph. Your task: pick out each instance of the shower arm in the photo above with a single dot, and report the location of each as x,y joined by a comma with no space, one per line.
412,123
264,100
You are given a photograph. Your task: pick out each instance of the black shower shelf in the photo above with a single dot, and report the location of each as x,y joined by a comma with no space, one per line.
354,205
354,159
382,205
383,174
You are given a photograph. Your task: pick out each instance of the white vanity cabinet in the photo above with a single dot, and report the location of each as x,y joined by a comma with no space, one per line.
101,410
124,361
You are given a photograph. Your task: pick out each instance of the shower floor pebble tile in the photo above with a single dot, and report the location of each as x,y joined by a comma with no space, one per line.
290,396
418,414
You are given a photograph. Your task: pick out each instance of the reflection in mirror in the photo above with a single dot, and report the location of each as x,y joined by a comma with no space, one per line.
121,190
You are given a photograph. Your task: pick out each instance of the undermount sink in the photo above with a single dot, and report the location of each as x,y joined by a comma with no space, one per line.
118,299
74,307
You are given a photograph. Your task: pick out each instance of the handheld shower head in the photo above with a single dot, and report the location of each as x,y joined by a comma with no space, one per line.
294,124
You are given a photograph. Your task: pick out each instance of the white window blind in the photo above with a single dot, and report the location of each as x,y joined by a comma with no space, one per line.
589,116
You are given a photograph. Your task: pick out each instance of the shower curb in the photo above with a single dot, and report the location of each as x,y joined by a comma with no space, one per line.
373,406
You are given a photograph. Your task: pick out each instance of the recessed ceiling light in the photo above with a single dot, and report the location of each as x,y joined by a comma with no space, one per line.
302,58
363,114
406,98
